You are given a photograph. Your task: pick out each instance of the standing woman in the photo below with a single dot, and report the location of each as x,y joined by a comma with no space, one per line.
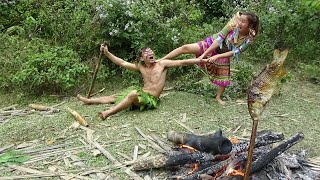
232,40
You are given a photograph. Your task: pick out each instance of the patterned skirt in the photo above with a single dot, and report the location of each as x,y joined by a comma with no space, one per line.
219,71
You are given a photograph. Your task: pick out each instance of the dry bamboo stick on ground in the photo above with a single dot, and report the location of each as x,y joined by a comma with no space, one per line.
162,144
78,117
6,147
9,112
9,107
46,149
105,152
153,145
59,104
185,126
135,152
116,162
27,170
124,156
50,154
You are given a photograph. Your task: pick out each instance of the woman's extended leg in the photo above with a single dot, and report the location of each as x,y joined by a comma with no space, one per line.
185,49
131,98
99,100
219,93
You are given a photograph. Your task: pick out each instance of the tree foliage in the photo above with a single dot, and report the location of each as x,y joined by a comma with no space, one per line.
77,27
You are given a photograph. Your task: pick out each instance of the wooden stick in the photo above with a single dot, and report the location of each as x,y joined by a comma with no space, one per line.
153,145
100,91
251,147
78,117
95,74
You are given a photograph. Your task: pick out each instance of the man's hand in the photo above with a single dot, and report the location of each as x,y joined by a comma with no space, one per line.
104,48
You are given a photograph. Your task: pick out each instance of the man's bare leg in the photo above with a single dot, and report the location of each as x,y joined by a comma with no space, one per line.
219,93
99,100
185,49
131,98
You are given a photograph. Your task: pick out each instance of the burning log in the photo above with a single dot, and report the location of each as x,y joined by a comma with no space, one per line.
179,158
215,168
263,139
268,157
172,160
214,144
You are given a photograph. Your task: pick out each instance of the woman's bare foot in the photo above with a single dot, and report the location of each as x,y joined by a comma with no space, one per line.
83,99
220,101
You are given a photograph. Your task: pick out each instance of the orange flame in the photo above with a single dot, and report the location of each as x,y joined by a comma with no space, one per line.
195,168
188,147
236,173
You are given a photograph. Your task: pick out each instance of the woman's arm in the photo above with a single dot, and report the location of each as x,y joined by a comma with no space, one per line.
118,61
223,55
214,45
177,63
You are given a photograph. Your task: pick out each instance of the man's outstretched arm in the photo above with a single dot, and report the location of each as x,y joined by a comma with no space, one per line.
185,62
118,61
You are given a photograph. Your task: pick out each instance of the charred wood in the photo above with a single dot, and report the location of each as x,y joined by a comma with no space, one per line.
214,144
215,168
175,158
268,157
262,140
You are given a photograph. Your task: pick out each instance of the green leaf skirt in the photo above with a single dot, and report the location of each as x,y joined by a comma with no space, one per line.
146,100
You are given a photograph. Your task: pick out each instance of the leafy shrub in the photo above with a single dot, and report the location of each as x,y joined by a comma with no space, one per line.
310,72
56,69
240,80
13,52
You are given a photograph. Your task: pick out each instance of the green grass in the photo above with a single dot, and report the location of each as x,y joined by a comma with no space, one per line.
295,110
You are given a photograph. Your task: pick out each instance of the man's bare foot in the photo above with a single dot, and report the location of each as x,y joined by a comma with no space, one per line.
102,115
83,99
220,101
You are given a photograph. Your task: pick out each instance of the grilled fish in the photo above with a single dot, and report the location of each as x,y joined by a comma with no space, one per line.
265,85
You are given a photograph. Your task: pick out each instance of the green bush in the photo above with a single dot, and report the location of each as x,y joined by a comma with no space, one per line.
13,52
56,69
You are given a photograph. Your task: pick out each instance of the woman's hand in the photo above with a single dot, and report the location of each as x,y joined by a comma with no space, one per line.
201,57
213,59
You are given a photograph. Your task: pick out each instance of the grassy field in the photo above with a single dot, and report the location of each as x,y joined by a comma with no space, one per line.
295,110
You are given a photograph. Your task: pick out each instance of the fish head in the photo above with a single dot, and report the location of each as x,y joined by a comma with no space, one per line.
278,58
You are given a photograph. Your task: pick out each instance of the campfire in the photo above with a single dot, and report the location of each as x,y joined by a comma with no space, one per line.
216,157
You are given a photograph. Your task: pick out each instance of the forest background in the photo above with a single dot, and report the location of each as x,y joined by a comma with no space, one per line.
52,46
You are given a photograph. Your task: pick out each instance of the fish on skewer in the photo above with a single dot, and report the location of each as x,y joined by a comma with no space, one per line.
260,93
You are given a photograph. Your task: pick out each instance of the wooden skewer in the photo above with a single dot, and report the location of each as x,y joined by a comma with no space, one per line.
251,147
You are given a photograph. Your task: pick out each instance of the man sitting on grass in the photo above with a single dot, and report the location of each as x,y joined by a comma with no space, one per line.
154,76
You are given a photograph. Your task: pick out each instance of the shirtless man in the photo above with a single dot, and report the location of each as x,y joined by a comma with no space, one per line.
154,75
